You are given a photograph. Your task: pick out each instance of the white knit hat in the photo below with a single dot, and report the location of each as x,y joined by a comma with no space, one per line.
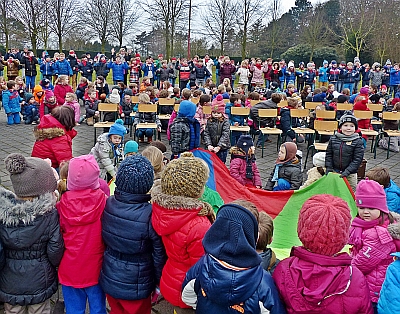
319,159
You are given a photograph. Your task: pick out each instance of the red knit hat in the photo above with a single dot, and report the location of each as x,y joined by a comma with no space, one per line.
218,104
71,52
160,55
137,55
173,59
370,194
324,223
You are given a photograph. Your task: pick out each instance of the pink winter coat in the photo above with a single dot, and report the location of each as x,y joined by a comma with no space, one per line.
237,169
312,283
77,109
258,74
372,245
171,119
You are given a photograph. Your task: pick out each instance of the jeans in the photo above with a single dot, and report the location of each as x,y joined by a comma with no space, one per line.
222,154
349,86
282,84
282,185
267,82
79,94
172,81
339,86
235,137
33,117
144,132
30,82
75,299
13,118
200,82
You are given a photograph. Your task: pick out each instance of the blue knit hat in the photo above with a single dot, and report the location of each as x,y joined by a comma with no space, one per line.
131,147
187,109
135,175
232,238
117,128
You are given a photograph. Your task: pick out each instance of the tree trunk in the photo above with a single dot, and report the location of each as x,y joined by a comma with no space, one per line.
244,42
60,43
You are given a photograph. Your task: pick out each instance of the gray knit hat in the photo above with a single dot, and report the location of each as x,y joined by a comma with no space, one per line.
30,176
135,175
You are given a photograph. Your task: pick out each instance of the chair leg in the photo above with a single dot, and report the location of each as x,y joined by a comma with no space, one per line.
308,151
94,132
262,146
388,150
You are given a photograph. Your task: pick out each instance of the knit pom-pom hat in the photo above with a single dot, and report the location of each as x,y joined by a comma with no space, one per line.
131,147
218,104
83,173
118,128
245,142
370,194
324,223
348,117
185,176
319,159
30,176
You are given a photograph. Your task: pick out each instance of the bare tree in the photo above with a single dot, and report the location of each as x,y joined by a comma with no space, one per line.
126,15
4,20
65,18
99,16
219,19
276,27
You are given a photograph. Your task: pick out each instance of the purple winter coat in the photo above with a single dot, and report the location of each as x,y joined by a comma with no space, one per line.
312,283
226,71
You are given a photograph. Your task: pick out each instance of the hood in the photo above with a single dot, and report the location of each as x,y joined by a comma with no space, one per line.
238,152
50,127
79,209
102,138
227,286
394,228
170,213
37,89
317,277
14,211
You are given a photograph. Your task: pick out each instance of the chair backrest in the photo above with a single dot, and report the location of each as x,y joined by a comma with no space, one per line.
324,114
176,107
207,109
166,101
267,113
134,99
147,108
299,113
320,125
344,107
107,107
254,102
311,105
375,107
226,100
283,103
240,111
362,114
195,100
393,116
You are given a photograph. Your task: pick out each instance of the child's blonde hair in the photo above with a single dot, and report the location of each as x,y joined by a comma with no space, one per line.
83,79
71,96
61,78
144,98
155,156
221,89
62,184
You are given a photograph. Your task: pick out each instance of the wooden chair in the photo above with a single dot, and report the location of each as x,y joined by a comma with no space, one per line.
206,109
195,100
254,102
325,114
102,108
283,103
311,105
176,107
269,113
165,102
226,101
344,107
146,108
376,108
134,99
240,111
390,116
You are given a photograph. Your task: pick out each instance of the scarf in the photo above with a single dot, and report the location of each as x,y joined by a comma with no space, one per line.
258,66
249,168
276,71
357,227
275,177
347,138
84,63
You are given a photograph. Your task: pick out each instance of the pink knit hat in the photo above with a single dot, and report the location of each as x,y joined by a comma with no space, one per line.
48,93
83,173
370,194
364,90
218,104
324,223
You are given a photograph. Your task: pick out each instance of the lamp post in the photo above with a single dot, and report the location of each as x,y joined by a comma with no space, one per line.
190,17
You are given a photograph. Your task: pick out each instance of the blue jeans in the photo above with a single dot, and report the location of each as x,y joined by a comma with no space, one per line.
222,154
339,86
235,136
282,185
349,86
172,81
79,94
282,84
13,118
30,82
267,84
144,132
75,299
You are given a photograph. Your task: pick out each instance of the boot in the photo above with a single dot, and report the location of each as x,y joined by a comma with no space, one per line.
141,139
89,121
149,139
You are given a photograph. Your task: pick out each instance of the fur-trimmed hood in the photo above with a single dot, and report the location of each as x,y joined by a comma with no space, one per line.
394,228
14,211
44,134
172,212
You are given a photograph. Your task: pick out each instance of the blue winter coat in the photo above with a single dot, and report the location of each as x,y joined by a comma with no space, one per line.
86,70
394,77
146,68
290,76
323,74
47,68
309,77
389,301
393,197
221,290
287,122
349,77
62,68
118,70
11,101
134,255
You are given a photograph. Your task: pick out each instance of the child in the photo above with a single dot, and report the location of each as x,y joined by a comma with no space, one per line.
31,242
388,304
392,191
108,150
72,101
114,97
181,219
217,130
345,150
91,107
287,123
127,107
61,89
38,93
80,90
48,104
11,102
287,171
145,83
146,117
371,240
31,111
266,231
131,148
243,165
161,146
156,157
316,278
316,172
229,278
133,261
80,222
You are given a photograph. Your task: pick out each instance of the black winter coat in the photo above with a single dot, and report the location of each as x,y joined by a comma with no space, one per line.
164,73
30,65
217,133
73,62
134,255
289,171
33,247
101,69
264,122
180,134
344,157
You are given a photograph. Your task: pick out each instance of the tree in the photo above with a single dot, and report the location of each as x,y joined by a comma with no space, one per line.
126,15
4,20
219,19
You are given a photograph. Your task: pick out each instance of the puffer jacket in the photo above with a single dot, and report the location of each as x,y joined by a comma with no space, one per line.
91,107
388,304
291,172
33,248
73,62
60,91
80,222
394,77
164,73
264,122
372,246
150,117
86,69
349,76
62,68
47,68
106,158
223,290
217,133
118,70
184,71
101,69
52,141
201,72
139,254
237,168
393,197
376,77
258,74
344,156
180,134
176,219
12,67
226,71
30,65
313,283
11,101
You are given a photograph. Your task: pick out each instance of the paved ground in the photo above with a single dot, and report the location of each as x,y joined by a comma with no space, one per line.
19,138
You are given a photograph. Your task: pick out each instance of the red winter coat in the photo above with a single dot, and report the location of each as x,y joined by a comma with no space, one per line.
80,222
52,141
182,230
312,283
60,91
